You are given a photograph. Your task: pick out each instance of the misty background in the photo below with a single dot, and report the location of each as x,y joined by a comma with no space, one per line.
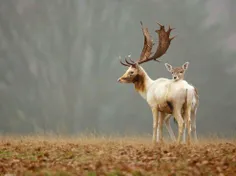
59,63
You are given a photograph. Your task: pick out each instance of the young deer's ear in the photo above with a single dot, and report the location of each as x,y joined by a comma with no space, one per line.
185,65
168,67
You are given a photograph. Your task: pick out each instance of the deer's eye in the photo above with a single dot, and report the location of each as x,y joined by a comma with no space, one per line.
131,72
181,72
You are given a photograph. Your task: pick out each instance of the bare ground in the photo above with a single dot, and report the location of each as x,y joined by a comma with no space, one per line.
120,156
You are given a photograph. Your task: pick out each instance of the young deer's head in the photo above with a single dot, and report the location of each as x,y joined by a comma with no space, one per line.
177,72
135,72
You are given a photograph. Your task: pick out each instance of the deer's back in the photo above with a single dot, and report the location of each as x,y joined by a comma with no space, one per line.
156,92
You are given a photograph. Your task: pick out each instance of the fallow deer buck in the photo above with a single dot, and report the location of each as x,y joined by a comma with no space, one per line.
163,95
178,73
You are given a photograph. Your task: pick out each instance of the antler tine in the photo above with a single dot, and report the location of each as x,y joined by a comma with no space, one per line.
173,38
164,43
132,61
124,64
161,26
147,45
169,30
128,61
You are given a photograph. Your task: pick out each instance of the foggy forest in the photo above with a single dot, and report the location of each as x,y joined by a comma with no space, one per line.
59,63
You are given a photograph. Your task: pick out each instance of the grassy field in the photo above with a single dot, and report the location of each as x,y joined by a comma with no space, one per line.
91,156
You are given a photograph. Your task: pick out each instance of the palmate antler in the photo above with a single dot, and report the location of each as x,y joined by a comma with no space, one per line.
164,43
148,43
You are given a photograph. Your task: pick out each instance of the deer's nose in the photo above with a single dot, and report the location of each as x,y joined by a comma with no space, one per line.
175,77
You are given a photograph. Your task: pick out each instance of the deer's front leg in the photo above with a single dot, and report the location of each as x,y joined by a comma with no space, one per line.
160,126
155,122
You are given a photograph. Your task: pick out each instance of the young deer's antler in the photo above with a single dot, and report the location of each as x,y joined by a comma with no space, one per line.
164,43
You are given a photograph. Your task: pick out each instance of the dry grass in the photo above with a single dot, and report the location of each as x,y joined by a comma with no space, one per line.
37,155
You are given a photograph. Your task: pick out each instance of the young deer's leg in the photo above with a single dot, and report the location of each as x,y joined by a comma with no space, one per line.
158,131
184,131
193,119
179,119
168,127
188,122
155,122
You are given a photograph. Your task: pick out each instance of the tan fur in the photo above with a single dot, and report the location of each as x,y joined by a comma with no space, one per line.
154,92
165,108
179,71
139,83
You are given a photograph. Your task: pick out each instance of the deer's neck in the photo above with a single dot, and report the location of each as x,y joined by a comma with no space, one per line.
142,83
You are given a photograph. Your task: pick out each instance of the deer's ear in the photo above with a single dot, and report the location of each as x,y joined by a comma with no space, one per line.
185,65
168,67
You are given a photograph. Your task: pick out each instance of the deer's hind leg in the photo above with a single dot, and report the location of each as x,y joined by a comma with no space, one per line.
168,127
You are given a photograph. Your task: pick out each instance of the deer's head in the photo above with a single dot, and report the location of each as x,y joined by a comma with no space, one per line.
131,75
134,72
177,72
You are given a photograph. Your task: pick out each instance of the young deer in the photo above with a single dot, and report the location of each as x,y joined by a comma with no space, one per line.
163,95
178,73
